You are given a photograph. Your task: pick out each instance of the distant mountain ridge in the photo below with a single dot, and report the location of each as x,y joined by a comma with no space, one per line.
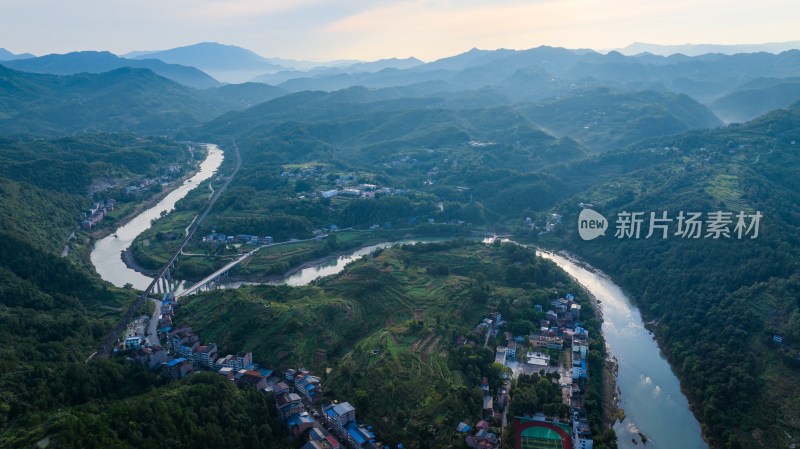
100,62
701,49
6,55
226,62
234,64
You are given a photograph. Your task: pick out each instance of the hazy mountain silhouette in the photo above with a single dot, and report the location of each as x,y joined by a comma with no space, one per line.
99,62
6,55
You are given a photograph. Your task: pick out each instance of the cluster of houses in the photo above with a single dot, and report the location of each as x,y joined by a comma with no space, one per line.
146,183
216,238
400,161
560,328
96,214
552,223
296,398
359,191
171,171
306,172
296,395
184,354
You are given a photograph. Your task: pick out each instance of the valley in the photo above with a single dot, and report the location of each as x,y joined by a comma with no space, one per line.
352,221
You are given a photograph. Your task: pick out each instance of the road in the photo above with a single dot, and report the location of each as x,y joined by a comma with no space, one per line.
66,247
227,267
152,328
116,333
213,275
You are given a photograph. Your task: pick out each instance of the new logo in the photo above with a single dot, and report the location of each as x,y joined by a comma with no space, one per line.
591,224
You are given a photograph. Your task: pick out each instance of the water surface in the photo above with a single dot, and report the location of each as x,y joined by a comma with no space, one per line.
107,253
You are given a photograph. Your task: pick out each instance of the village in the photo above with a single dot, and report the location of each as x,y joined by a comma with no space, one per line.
559,337
559,348
297,393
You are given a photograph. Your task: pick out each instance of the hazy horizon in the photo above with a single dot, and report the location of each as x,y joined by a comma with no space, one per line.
320,30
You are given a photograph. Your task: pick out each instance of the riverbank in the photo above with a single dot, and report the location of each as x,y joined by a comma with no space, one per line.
652,403
130,262
147,204
106,254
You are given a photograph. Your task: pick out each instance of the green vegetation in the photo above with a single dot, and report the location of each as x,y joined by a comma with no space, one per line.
467,160
72,164
55,311
718,303
387,327
124,100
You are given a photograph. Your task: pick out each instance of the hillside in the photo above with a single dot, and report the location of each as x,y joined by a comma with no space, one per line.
756,98
123,100
713,300
54,312
602,119
99,62
388,326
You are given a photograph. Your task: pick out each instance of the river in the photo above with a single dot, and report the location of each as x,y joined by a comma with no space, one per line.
650,393
651,396
107,253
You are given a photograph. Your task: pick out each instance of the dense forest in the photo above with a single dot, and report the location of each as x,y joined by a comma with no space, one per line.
718,302
55,311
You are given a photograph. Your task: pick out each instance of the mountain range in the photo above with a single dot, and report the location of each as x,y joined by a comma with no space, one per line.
99,62
702,49
6,55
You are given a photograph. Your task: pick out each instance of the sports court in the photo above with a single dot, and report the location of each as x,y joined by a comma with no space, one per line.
543,435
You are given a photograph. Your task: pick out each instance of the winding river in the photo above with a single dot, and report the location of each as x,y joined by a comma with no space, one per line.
107,253
651,396
650,393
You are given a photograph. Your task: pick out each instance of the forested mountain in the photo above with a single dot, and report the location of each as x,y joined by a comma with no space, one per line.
54,312
357,126
245,95
602,119
123,100
557,70
756,98
227,63
100,62
717,303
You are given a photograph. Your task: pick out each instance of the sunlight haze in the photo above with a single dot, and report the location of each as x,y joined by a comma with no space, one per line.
369,30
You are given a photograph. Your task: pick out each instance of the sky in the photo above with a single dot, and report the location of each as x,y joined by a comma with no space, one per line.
374,29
